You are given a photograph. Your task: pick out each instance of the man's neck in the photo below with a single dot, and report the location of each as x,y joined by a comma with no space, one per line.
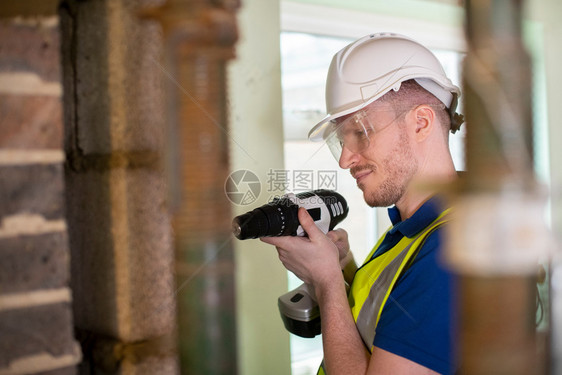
419,192
409,204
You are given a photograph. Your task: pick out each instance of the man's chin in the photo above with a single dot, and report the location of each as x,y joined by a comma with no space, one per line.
378,199
367,197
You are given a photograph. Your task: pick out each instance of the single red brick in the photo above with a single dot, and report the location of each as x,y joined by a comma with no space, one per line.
34,330
29,121
61,371
32,189
25,47
34,262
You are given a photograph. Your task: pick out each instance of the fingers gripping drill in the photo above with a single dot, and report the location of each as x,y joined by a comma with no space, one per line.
327,208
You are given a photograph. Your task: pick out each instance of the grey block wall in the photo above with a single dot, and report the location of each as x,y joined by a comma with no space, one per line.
119,224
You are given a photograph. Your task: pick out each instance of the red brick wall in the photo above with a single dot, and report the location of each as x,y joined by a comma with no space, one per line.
36,328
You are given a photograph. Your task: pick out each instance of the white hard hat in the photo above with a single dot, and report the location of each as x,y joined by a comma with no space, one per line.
370,67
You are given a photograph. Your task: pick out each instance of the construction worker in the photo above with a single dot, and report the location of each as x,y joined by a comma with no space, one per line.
390,108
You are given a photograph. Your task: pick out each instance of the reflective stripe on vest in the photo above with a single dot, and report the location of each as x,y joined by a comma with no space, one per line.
374,281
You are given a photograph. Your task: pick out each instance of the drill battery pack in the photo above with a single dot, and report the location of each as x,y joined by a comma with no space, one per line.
300,312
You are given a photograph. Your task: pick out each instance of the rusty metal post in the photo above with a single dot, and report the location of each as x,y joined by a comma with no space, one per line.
200,37
499,233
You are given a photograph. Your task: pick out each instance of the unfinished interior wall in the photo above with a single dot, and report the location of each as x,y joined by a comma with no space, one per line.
36,328
119,225
85,229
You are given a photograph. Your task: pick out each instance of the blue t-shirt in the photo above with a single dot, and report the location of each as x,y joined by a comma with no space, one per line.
417,320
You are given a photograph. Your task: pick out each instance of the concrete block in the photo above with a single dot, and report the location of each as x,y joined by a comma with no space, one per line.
86,60
139,51
118,83
31,121
151,365
122,256
34,262
92,251
151,255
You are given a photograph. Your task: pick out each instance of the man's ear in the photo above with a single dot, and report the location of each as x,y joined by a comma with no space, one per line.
424,117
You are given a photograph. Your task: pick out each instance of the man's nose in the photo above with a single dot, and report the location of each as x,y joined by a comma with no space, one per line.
347,158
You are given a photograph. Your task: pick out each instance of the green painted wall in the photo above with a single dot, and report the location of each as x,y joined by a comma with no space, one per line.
256,134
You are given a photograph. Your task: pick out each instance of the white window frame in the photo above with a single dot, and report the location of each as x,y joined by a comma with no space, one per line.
330,21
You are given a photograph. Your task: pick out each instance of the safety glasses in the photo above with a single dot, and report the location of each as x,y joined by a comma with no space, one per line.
354,132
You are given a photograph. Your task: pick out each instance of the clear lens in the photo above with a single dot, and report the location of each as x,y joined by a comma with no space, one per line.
353,133
335,145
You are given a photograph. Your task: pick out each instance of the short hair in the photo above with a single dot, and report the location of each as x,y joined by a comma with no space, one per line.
411,95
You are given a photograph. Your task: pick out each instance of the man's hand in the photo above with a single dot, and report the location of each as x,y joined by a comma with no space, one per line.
314,259
339,238
347,262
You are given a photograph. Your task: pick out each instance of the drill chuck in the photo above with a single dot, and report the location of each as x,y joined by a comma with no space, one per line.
280,217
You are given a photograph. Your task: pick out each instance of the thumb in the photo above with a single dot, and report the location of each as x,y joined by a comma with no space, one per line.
308,224
333,236
337,234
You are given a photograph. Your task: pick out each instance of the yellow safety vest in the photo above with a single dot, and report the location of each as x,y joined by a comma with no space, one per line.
374,281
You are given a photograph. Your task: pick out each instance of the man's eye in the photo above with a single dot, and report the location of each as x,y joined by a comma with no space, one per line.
360,135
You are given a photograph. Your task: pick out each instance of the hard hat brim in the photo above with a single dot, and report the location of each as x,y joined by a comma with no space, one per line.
439,90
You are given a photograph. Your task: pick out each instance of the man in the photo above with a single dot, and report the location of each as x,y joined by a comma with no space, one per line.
390,108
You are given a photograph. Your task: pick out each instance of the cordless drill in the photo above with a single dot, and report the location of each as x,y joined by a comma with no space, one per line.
298,308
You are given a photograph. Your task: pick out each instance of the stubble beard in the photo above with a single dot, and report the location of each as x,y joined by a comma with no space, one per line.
399,167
